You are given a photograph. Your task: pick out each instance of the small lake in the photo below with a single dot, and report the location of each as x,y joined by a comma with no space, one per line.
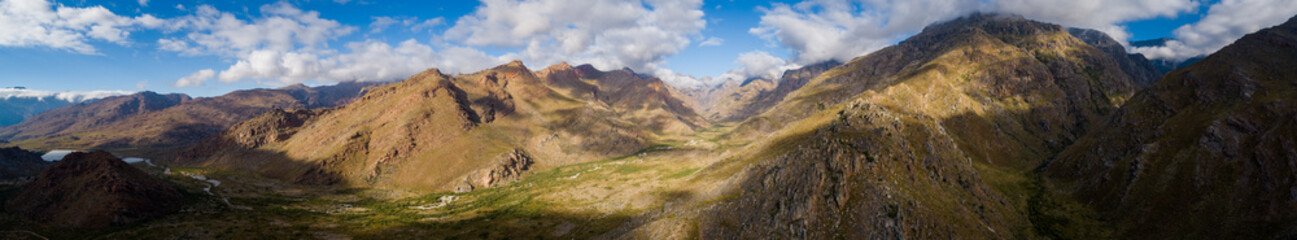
57,154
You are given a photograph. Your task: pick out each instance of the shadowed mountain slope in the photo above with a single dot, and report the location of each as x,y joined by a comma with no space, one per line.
16,163
94,190
1206,152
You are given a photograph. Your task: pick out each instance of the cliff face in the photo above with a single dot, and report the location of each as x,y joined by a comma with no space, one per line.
94,190
1205,152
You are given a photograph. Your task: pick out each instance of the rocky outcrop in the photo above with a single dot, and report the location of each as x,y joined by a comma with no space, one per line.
94,190
19,164
1206,152
870,173
504,168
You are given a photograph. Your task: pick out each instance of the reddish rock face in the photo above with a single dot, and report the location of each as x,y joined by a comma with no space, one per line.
94,190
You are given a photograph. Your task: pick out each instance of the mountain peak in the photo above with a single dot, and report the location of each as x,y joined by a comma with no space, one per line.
560,66
515,63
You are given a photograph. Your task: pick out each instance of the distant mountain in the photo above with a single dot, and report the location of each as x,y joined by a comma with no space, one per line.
645,101
1207,152
1165,65
18,104
440,132
922,140
94,190
1157,42
1140,69
733,101
16,164
91,116
152,122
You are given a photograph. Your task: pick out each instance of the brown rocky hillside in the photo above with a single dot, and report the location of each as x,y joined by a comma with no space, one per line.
1205,153
1141,70
90,116
151,123
17,164
931,138
440,132
94,190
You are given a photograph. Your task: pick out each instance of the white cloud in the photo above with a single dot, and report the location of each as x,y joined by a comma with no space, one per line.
144,3
196,79
382,23
365,61
75,96
759,64
712,41
38,23
1226,22
426,24
608,34
283,28
821,30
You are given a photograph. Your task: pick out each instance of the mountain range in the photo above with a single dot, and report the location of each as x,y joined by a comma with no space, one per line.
986,126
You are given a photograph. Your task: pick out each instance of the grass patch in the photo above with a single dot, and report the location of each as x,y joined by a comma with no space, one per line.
682,173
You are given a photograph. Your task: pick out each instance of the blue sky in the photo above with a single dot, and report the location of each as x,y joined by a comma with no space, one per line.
746,38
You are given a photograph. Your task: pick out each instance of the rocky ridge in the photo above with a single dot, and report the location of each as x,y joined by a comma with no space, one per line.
94,190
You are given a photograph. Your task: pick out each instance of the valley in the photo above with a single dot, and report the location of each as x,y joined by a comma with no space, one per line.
986,126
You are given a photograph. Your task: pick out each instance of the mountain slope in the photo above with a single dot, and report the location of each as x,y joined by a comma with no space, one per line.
733,101
150,122
646,101
931,138
1206,152
1140,70
16,163
90,116
94,190
440,132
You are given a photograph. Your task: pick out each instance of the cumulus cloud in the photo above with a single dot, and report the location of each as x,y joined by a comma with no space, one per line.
382,23
144,3
74,96
760,64
283,28
712,41
821,30
1226,22
38,23
608,34
365,61
196,79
